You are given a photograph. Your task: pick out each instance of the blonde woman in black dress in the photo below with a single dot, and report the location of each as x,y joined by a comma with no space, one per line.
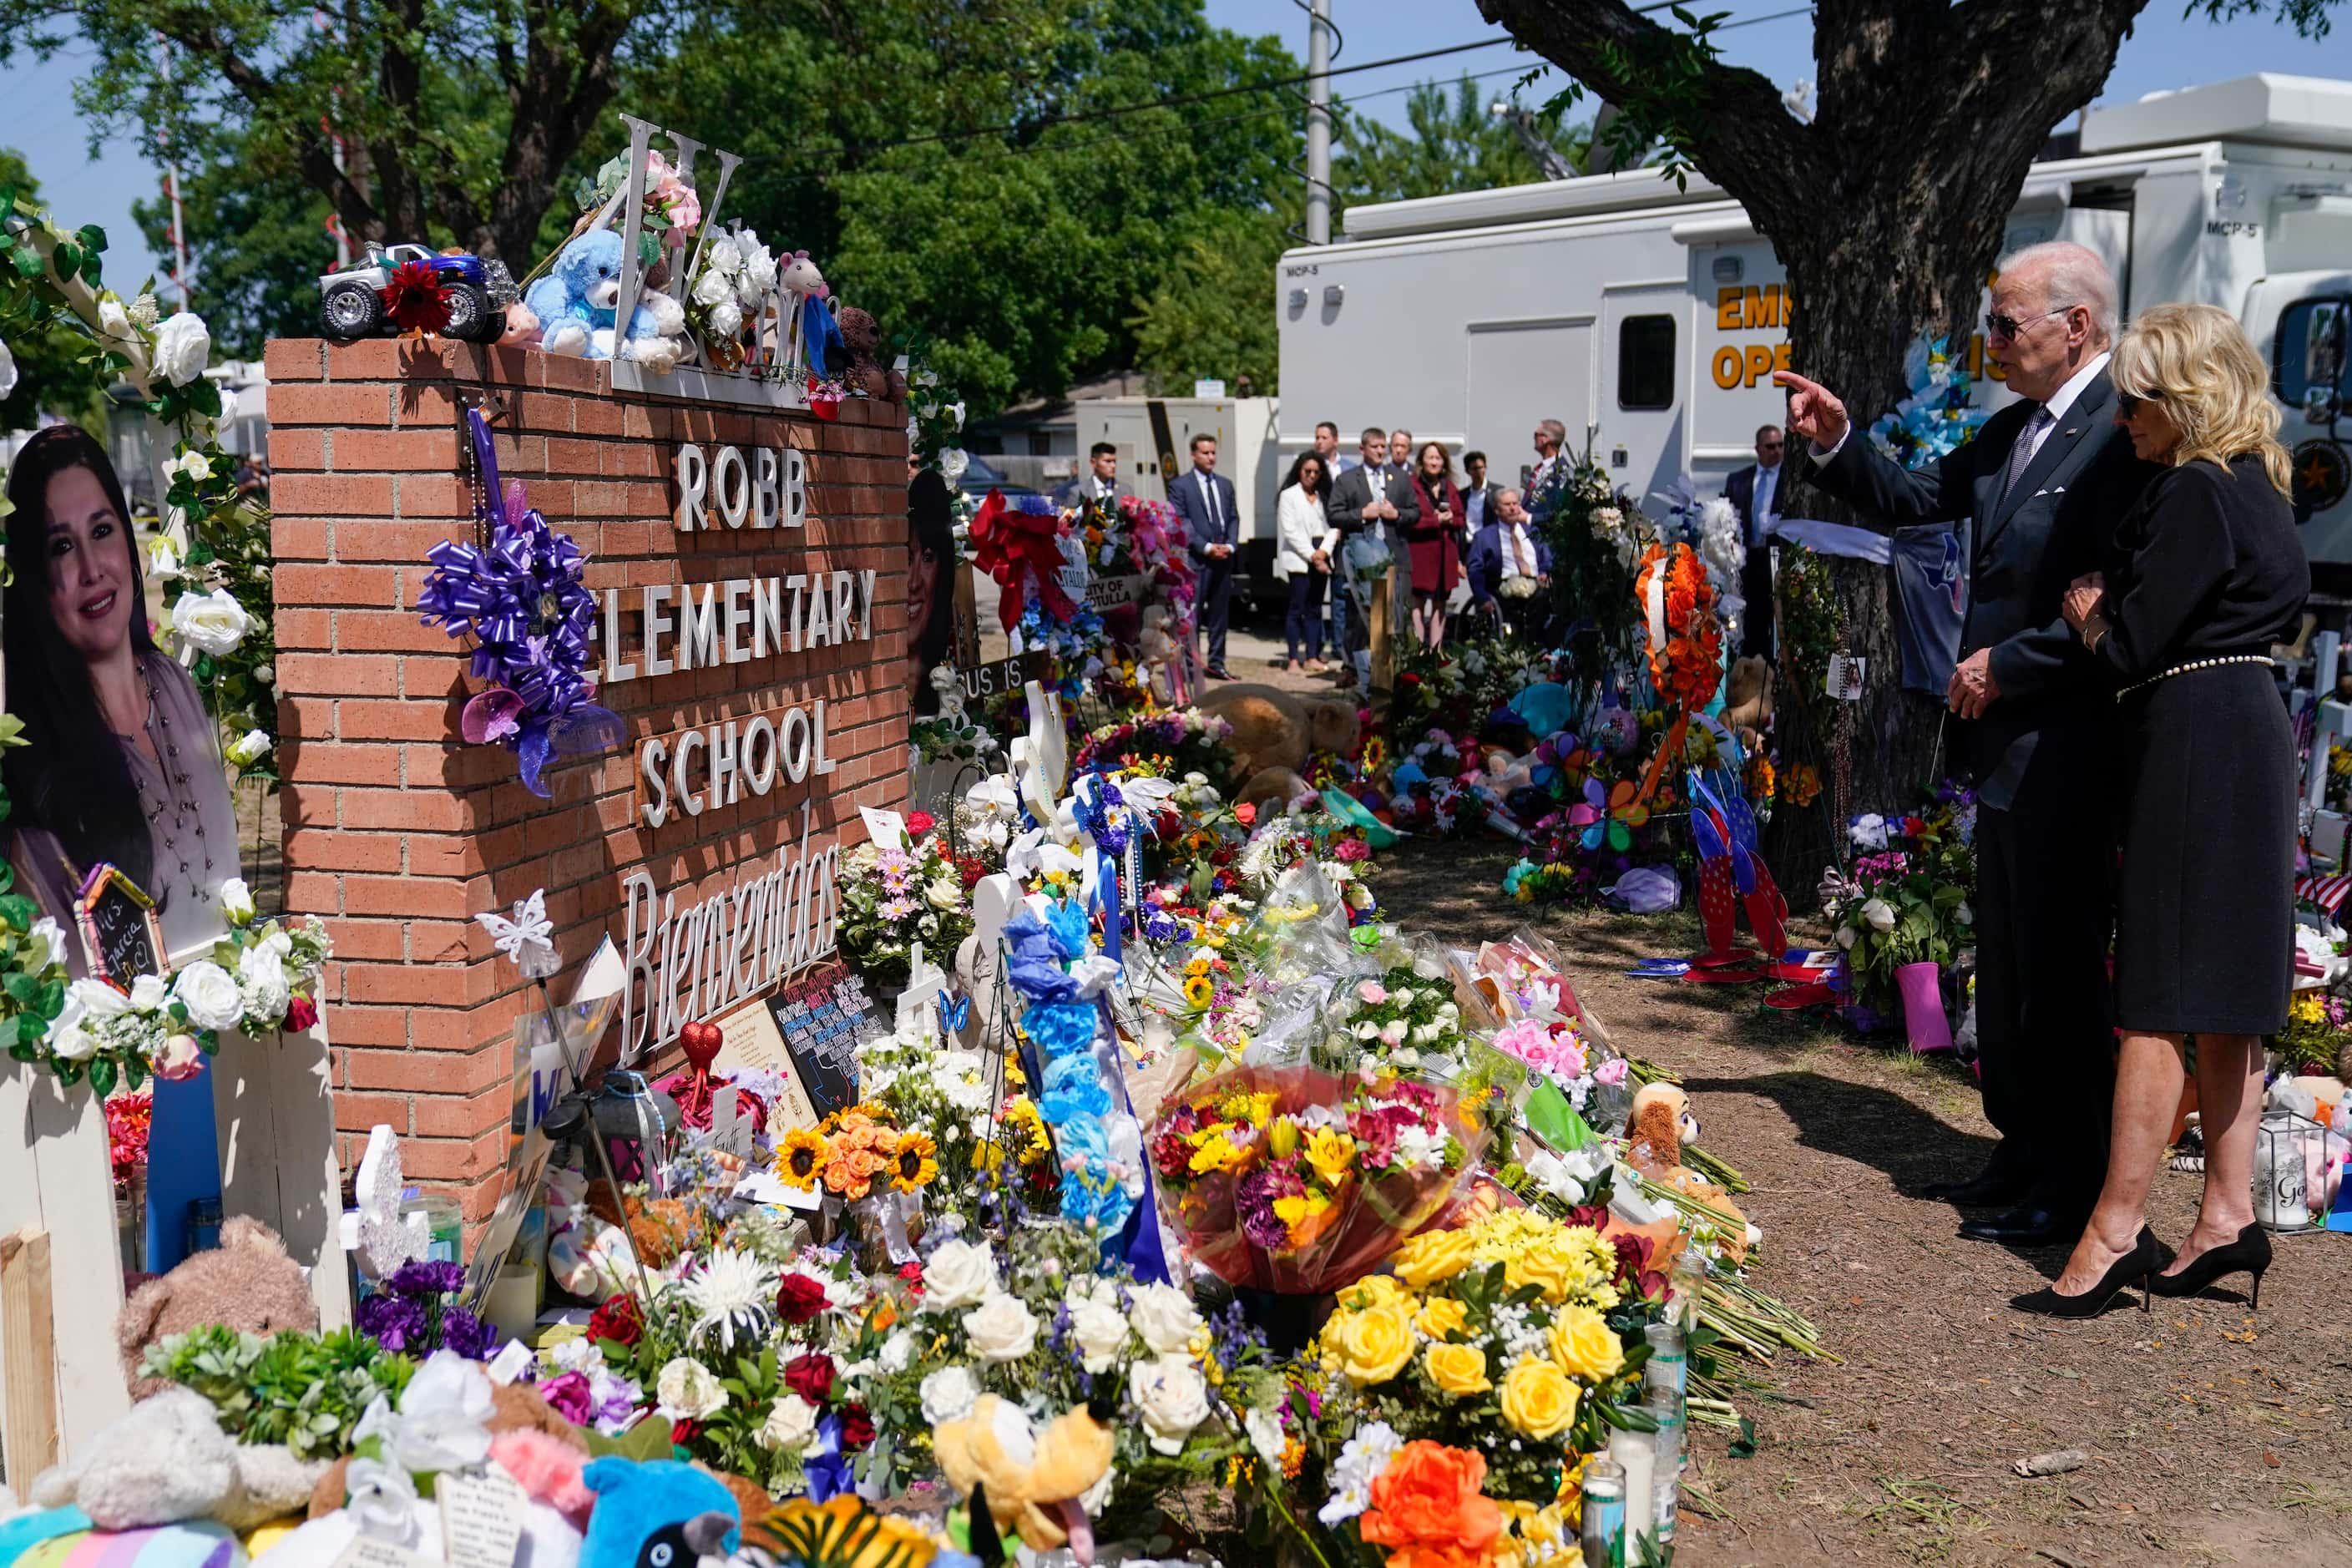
2204,574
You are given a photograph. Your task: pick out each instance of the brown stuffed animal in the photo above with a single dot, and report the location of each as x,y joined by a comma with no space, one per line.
861,335
247,1283
515,1407
1276,787
1747,701
1278,729
1656,1129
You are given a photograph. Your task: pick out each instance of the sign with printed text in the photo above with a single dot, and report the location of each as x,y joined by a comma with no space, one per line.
749,1038
824,1016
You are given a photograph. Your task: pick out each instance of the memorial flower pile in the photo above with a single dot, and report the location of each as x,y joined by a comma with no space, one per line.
893,896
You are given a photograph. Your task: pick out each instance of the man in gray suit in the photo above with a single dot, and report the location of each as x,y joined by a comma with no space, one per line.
1100,482
1374,493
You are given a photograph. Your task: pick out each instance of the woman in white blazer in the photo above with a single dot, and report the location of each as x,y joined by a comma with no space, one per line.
1305,556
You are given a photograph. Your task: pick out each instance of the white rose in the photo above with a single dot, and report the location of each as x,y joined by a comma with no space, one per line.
147,993
712,286
1001,1328
183,346
945,892
236,900
758,267
959,1274
725,255
210,995
180,1059
250,748
1879,913
1263,1423
212,623
113,321
195,465
1164,1317
790,1424
51,940
65,1034
7,368
163,558
1172,1398
1100,1330
687,1390
1847,936
261,980
898,1352
726,319
1964,915
948,1394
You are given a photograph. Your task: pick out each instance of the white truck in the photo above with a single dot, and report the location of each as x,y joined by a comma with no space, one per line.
1654,316
1154,437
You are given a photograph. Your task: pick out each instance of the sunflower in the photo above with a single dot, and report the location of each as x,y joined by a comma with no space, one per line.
1376,753
914,1163
801,1160
1200,992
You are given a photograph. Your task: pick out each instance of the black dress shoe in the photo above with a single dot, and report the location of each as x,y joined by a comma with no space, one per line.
2027,1224
1984,1189
2250,1252
2137,1267
1222,674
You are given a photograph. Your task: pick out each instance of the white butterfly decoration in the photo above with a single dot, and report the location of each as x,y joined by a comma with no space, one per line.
528,939
387,1239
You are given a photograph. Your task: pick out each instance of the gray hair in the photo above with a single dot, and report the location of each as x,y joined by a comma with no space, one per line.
2071,275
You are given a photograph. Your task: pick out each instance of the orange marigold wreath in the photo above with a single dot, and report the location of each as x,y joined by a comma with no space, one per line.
1688,665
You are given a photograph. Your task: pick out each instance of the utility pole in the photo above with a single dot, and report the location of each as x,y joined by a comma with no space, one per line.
1318,123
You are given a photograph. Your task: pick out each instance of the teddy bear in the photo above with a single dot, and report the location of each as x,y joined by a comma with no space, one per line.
576,302
1024,1479
168,1461
820,332
1661,1123
1278,729
247,1283
1276,787
1747,701
861,345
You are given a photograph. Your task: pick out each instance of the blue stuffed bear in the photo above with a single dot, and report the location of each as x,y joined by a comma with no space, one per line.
656,1514
576,303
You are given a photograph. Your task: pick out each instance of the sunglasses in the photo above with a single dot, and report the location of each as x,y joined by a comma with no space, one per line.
2127,405
2000,326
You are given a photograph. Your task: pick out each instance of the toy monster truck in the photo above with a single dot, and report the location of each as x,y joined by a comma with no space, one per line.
352,303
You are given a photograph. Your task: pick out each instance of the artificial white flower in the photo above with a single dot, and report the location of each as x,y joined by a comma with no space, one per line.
1879,913
262,982
248,749
959,1274
147,993
1263,1423
1164,1317
791,1423
1172,1398
1847,936
237,901
687,1390
443,1419
113,321
712,286
731,1289
1099,1329
45,944
143,312
948,1394
1362,1460
164,560
212,623
898,1352
1001,1328
210,995
1868,831
194,464
758,267
724,256
183,346
383,1501
726,319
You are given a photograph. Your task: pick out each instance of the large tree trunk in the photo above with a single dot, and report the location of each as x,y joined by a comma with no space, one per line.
1887,212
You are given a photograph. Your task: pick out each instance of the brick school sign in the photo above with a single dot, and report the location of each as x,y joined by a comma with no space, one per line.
750,570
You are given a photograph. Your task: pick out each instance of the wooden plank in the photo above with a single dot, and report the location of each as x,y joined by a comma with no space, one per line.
277,1130
29,1346
65,1127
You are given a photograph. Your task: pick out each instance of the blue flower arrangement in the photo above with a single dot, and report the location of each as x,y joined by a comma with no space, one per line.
1073,1097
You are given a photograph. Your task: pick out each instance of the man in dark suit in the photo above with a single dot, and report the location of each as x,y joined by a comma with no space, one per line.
1363,497
1099,483
1477,495
2041,481
1508,546
1204,500
1754,492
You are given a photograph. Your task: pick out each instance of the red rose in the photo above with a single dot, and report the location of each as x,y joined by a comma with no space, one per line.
810,1376
618,1321
919,822
799,1299
856,1428
1245,813
912,1273
681,1433
301,1013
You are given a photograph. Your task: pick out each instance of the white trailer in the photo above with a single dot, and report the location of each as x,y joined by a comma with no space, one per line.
1654,316
1150,432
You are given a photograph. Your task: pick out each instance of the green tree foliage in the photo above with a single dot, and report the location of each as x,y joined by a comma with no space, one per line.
50,378
266,285
1209,316
1455,144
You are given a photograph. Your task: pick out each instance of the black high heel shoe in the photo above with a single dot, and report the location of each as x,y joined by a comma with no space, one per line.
2251,1251
2138,1265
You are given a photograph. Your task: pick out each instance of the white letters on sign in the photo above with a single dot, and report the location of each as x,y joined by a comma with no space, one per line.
767,487
693,626
705,769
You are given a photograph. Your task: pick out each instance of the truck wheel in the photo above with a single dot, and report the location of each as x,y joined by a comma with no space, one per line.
470,315
350,310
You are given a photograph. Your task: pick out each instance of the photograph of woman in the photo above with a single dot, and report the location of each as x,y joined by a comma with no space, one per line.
121,763
1434,541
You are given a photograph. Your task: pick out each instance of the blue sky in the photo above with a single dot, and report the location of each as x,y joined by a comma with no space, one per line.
1772,35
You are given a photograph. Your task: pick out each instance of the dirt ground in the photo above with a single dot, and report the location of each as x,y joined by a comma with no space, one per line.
2213,1436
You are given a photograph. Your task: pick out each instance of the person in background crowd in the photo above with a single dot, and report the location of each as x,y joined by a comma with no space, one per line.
1100,482
1506,550
1327,447
1400,454
1204,500
930,583
1435,538
1477,495
252,478
2202,576
119,764
2044,481
1754,492
1361,499
1303,554
1550,435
